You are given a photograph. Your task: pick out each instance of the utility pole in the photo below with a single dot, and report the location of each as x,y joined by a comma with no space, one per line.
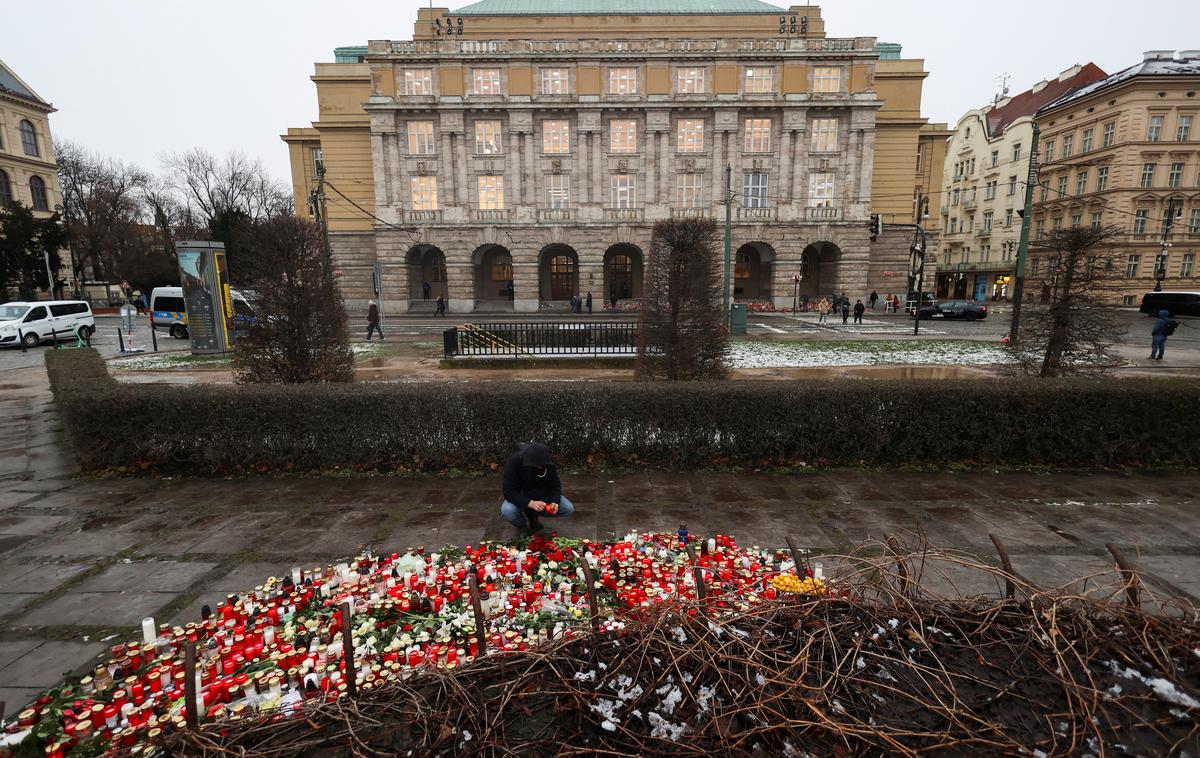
728,241
918,256
49,275
1160,265
319,211
1014,331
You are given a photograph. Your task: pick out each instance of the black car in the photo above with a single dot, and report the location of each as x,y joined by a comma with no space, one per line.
965,309
1175,303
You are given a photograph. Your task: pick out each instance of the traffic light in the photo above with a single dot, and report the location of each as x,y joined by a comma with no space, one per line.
876,226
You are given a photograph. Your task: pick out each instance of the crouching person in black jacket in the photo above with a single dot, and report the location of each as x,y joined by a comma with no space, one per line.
532,489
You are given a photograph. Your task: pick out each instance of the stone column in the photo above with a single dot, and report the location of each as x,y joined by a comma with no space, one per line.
390,248
530,177
525,284
460,189
460,283
445,165
665,164
582,175
783,188
512,168
598,196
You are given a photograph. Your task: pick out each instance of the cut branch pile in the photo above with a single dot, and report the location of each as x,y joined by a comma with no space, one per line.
880,666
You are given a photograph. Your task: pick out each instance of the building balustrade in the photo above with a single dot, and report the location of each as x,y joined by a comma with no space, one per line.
575,47
695,212
755,214
423,217
823,214
490,214
623,214
554,214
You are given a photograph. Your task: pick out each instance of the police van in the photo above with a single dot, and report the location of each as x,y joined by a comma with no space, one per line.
169,314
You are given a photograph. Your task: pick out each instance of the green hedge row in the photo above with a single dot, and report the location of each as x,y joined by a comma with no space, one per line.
432,426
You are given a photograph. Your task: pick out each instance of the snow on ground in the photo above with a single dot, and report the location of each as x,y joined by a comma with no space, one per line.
817,354
182,359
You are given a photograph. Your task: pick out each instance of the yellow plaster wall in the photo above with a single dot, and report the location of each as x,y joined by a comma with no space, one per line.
347,155
520,80
658,80
587,80
725,80
794,80
452,81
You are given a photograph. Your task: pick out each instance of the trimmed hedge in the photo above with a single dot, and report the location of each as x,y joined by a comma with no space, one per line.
434,426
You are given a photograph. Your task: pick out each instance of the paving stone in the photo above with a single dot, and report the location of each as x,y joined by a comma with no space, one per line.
13,541
12,602
241,533
1182,571
16,698
96,542
30,525
97,609
156,576
46,577
45,665
11,651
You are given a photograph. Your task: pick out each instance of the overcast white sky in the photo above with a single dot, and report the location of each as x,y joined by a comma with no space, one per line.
137,78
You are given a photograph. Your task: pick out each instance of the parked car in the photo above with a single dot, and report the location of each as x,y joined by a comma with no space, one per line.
168,312
45,321
964,309
1175,303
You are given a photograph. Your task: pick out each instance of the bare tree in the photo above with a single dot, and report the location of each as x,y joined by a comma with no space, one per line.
680,332
235,183
1073,330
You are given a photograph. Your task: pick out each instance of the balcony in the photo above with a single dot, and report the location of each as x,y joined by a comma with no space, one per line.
701,212
755,214
985,232
823,214
553,214
623,214
491,215
423,217
969,205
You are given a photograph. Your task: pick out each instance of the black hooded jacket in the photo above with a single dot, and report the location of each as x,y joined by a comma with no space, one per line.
521,480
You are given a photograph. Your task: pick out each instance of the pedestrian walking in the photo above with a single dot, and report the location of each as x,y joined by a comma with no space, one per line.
373,320
804,302
1164,327
874,299
845,305
425,290
612,296
589,303
823,308
441,306
858,311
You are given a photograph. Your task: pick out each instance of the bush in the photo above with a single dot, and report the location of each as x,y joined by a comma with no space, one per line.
225,429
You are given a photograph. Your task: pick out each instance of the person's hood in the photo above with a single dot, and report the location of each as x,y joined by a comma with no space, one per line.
537,454
1164,314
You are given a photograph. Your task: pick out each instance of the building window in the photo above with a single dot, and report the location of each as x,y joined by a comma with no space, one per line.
1183,131
1008,217
1081,183
622,135
1049,151
502,270
1056,223
820,190
491,193
987,221
1147,174
424,193
1077,220
1016,152
37,191
1096,219
689,137
29,141
757,137
623,191
1110,132
689,80
1176,177
689,190
827,79
1154,131
920,156
556,137
1039,228
6,195
622,81
1187,267
1193,221
555,81
486,81
989,190
1062,186
1068,145
758,80
1012,185
995,158
754,190
1140,218
558,191
1035,266
825,137
1131,266
1102,178
954,197
417,81
420,138
489,139
318,158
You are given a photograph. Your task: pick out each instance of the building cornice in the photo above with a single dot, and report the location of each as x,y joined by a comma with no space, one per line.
37,105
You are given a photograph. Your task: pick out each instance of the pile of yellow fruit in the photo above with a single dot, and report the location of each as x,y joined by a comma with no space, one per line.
793,583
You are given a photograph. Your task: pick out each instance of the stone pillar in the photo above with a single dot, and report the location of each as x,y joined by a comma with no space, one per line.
525,281
460,189
445,164
391,246
530,177
652,188
598,196
512,169
401,194
460,283
783,185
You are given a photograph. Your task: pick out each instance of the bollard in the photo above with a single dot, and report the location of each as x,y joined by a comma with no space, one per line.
21,339
590,587
54,337
154,337
190,709
480,635
348,650
87,338
120,340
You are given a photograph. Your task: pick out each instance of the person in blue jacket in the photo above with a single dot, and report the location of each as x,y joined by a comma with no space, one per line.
1164,327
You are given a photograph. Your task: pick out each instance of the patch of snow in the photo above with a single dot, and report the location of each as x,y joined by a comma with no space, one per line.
859,663
1165,689
672,699
759,679
585,676
466,736
608,725
893,623
680,635
762,354
660,727
885,675
716,629
608,709
703,696
838,707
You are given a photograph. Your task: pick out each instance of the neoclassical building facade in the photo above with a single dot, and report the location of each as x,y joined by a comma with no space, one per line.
514,154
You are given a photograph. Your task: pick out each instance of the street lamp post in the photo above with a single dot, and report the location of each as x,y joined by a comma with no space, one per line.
796,293
1160,263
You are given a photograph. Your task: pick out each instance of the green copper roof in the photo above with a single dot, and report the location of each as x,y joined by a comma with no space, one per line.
349,54
615,8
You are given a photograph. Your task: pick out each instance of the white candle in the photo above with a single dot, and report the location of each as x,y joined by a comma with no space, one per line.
269,635
296,577
818,570
712,545
148,632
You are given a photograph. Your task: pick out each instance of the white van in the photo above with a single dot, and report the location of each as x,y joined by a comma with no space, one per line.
44,320
168,313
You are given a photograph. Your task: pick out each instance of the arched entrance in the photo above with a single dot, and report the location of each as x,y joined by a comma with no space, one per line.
623,272
493,275
426,265
558,273
818,269
752,271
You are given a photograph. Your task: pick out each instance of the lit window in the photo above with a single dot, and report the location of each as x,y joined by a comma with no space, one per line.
754,190
1183,131
424,193
489,139
555,81
491,193
1140,219
558,191
1131,267
37,192
757,135
622,81
29,140
690,136
1148,174
1154,131
1081,183
757,80
689,80
624,191
622,135
556,136
827,79
486,81
420,138
1176,177
820,190
417,81
1086,147
689,190
1110,132
1102,178
825,136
